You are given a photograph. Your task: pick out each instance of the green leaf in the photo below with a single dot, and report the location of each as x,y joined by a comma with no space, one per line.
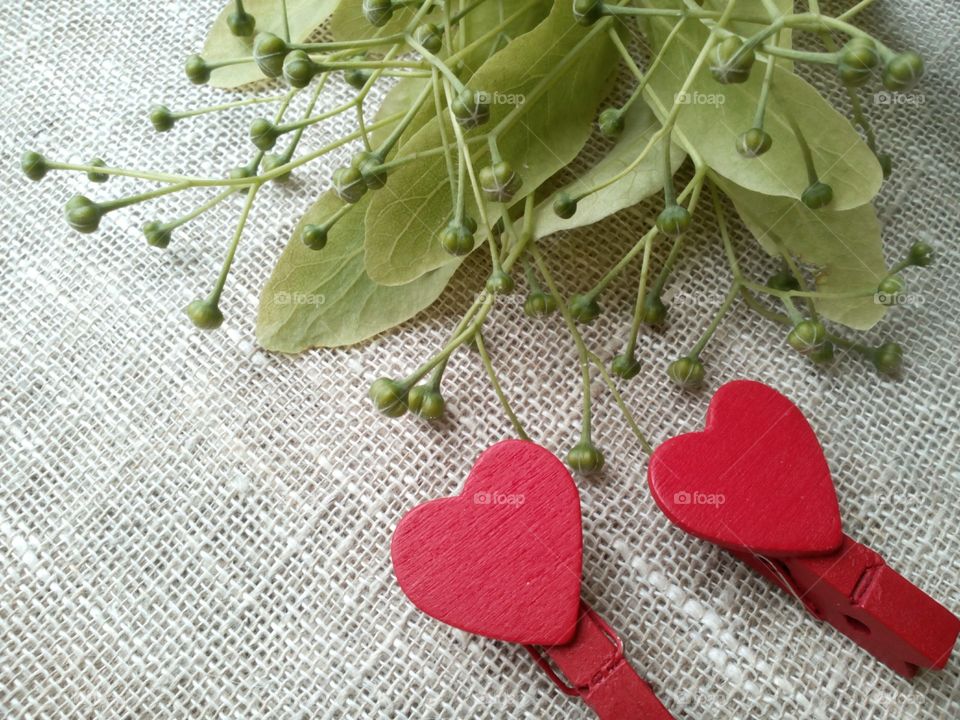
642,182
324,298
405,218
844,246
305,17
709,126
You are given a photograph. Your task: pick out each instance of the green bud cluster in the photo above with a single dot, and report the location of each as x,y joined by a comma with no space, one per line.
499,182
585,457
584,308
197,70
921,254
564,206
205,314
731,61
784,281
82,214
264,134
754,142
654,312
389,397
430,37
269,52
457,238
857,61
271,162
315,236
241,23
807,336
625,366
500,283
674,220
158,234
539,303
349,185
888,359
818,195
470,108
34,165
378,12
889,290
687,373
902,72
611,122
93,175
370,165
426,401
298,69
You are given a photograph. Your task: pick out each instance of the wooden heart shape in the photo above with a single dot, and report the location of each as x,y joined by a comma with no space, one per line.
755,479
502,559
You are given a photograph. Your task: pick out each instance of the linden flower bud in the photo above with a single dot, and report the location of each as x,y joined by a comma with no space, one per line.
817,196
674,220
687,373
426,401
298,69
263,134
378,12
888,359
587,12
889,290
241,24
241,172
272,162
93,175
197,69
728,64
370,165
82,214
626,366
585,457
564,206
471,108
921,254
611,122
654,311
499,283
807,336
348,184
823,355
457,239
499,182
902,72
356,77
430,36
161,118
158,234
857,60
754,142
314,236
584,308
34,165
205,314
389,397
783,281
269,52
538,304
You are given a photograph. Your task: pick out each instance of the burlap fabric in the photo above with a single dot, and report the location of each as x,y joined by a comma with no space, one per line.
193,527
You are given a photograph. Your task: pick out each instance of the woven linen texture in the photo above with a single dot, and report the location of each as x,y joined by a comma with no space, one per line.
193,527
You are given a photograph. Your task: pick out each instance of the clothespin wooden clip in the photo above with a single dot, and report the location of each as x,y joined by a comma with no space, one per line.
756,482
503,559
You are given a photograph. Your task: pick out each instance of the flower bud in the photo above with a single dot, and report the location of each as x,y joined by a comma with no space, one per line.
921,254
587,12
674,220
241,24
426,401
378,12
271,162
34,165
888,359
457,239
356,77
817,196
298,69
314,236
389,397
626,366
241,172
889,290
564,206
205,314
263,134
82,214
269,52
728,64
158,234
93,175
611,122
687,373
857,60
783,281
654,312
197,69
585,457
470,108
161,118
754,142
499,182
823,355
348,184
807,336
430,36
499,283
370,165
902,72
538,304
584,308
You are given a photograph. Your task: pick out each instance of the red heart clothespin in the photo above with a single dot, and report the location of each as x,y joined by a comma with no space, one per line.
755,482
503,559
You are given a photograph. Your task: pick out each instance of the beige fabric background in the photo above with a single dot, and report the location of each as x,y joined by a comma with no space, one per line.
192,527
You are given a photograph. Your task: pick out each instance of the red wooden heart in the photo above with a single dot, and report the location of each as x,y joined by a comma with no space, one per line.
503,558
755,479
